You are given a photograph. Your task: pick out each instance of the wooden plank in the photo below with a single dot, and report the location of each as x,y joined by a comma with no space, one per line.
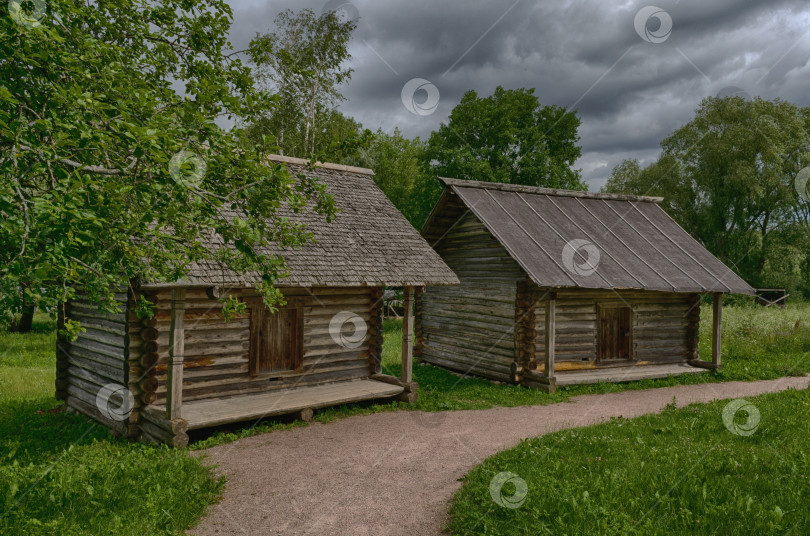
213,412
407,335
627,373
174,398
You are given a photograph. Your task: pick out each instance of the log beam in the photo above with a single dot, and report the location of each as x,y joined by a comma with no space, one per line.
407,336
174,377
717,322
550,329
409,396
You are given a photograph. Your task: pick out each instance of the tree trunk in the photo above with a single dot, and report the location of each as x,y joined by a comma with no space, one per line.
27,318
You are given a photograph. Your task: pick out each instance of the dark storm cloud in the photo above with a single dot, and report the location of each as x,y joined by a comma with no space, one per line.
583,54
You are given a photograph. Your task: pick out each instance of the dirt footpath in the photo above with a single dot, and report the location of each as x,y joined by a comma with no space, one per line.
394,473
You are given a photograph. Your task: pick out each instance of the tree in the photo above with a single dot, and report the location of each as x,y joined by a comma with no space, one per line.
623,176
108,174
728,177
337,138
303,62
398,165
508,137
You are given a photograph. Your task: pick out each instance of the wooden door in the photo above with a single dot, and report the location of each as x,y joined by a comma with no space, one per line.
615,333
276,339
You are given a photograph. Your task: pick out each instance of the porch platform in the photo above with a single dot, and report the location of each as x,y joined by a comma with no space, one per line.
625,373
237,408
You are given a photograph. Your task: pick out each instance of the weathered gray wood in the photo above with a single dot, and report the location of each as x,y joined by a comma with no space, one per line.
550,344
172,432
174,386
717,329
238,386
88,407
407,335
213,412
626,373
95,372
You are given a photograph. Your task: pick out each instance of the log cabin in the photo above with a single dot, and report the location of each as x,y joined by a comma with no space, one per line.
187,367
561,287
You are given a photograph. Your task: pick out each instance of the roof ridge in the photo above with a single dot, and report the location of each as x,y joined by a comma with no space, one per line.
518,188
325,165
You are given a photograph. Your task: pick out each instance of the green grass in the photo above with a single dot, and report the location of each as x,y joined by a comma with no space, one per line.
27,362
761,343
680,472
62,474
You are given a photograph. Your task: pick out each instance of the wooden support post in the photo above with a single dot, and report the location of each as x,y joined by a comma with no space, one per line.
174,376
550,327
717,321
407,336
409,395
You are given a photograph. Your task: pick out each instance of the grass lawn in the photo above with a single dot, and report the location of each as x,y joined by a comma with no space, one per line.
678,472
61,474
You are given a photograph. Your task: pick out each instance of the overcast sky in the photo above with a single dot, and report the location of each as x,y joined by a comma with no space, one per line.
631,79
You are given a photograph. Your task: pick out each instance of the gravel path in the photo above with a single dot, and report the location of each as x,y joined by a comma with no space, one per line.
394,473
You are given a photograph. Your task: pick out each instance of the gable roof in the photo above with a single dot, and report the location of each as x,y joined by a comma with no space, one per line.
368,243
564,238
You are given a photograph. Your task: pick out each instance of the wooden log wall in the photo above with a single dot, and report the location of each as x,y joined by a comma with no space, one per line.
526,311
216,352
664,326
97,358
471,327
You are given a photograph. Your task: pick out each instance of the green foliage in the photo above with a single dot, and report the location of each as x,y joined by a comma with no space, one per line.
401,172
728,177
303,63
108,173
508,137
232,306
678,472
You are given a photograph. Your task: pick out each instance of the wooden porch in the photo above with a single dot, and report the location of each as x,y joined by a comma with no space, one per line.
625,373
216,411
169,422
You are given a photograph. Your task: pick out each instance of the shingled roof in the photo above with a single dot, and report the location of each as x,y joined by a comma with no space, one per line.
565,239
368,243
